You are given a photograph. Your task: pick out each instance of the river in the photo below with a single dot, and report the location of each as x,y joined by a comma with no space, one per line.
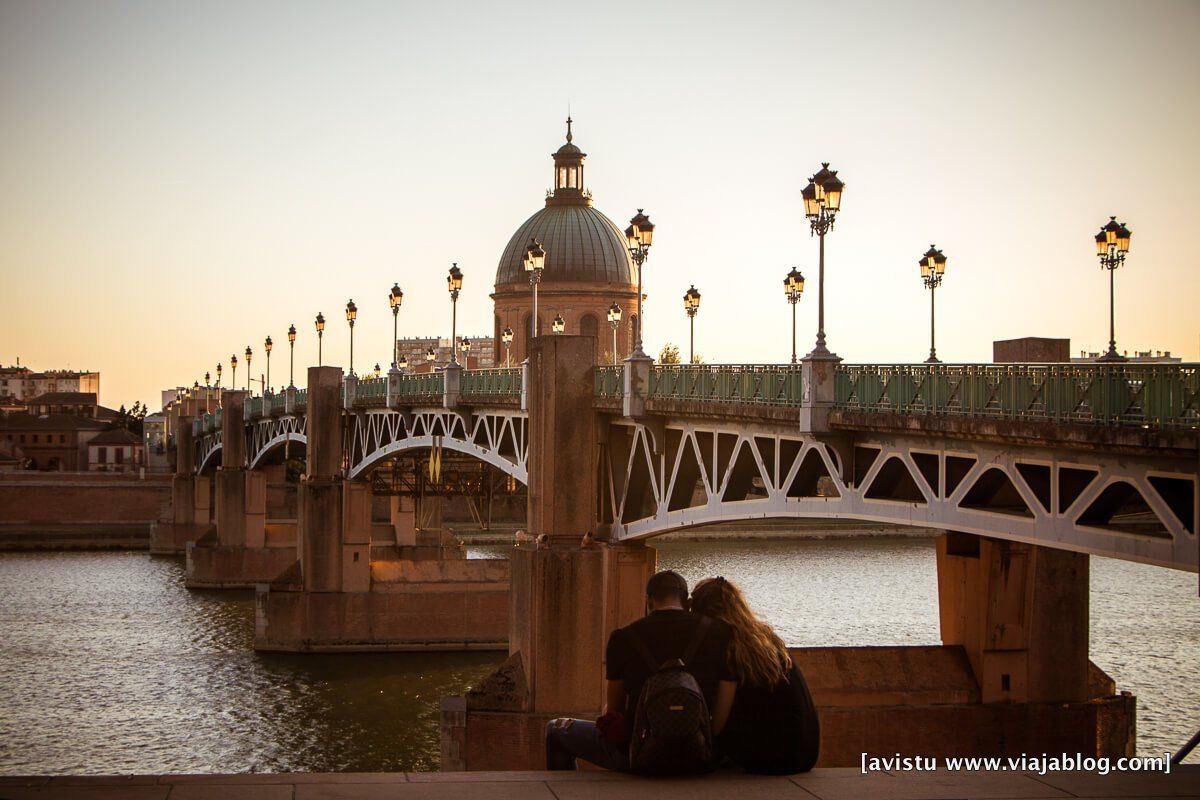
109,665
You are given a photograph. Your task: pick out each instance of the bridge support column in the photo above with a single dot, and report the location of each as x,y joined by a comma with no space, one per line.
567,594
237,556
341,600
188,517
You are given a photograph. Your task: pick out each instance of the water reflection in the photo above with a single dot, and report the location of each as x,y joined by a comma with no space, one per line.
107,664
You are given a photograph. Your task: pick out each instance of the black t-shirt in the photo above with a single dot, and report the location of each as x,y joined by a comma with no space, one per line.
667,633
773,731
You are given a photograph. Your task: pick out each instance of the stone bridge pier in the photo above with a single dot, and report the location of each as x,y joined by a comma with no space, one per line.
1011,675
238,553
189,517
361,585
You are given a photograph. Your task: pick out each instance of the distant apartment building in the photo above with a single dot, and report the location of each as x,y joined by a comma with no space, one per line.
1137,357
21,384
415,351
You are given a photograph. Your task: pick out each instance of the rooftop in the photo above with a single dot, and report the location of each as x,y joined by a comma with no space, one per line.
117,436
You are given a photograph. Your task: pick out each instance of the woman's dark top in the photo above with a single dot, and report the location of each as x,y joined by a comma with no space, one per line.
773,731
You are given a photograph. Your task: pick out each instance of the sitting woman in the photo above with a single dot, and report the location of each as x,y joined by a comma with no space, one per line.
773,727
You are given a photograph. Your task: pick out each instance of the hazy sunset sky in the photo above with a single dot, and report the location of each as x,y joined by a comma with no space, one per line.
178,180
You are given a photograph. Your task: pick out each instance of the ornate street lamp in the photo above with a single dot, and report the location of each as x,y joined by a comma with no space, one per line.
376,369
267,346
454,286
207,392
793,288
558,325
351,315
233,376
218,378
691,304
320,324
291,355
614,322
1112,243
535,262
639,236
822,201
249,355
465,346
506,336
430,355
395,298
402,363
933,266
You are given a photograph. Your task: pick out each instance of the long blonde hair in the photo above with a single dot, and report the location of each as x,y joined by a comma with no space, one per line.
760,658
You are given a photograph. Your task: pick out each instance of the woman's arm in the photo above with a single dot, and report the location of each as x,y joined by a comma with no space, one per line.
722,705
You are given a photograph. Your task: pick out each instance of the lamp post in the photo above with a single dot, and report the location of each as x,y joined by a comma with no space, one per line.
320,325
454,286
1112,243
376,370
207,392
639,236
793,288
558,325
822,200
535,262
291,356
933,266
614,322
465,346
691,304
351,315
395,298
218,379
506,336
402,363
268,345
233,375
249,355
430,355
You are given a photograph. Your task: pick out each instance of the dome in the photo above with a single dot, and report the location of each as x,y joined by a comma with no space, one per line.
581,244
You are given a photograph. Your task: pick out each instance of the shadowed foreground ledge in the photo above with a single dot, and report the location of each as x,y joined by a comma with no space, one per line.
824,784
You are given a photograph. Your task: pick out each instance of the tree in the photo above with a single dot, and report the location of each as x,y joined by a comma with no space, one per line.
669,354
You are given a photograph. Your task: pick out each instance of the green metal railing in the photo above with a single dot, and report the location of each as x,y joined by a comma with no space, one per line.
278,403
302,398
609,381
756,384
371,392
1152,395
491,382
422,384
255,404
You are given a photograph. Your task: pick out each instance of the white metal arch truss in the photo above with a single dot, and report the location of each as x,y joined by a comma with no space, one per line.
666,477
498,438
207,447
270,433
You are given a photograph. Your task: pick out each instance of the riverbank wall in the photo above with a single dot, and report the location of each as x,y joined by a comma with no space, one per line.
80,511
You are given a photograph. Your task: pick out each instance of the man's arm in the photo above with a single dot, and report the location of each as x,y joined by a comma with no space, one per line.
615,697
722,704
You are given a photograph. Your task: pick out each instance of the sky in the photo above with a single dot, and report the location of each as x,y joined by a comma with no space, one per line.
180,180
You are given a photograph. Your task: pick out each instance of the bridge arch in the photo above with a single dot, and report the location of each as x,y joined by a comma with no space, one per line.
491,457
272,446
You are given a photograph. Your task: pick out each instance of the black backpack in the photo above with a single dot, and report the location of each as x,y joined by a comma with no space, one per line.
672,730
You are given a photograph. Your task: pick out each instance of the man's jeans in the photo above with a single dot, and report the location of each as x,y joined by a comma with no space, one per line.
568,739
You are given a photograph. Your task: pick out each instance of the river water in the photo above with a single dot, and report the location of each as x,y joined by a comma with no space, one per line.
108,665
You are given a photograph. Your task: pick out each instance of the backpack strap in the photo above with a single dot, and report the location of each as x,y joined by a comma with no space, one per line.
642,650
697,637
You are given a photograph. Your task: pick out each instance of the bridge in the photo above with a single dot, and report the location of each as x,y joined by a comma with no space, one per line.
1028,468
1093,458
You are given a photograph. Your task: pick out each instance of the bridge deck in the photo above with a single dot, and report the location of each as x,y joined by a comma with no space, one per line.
823,784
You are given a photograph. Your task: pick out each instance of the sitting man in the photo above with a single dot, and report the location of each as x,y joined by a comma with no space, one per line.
668,631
